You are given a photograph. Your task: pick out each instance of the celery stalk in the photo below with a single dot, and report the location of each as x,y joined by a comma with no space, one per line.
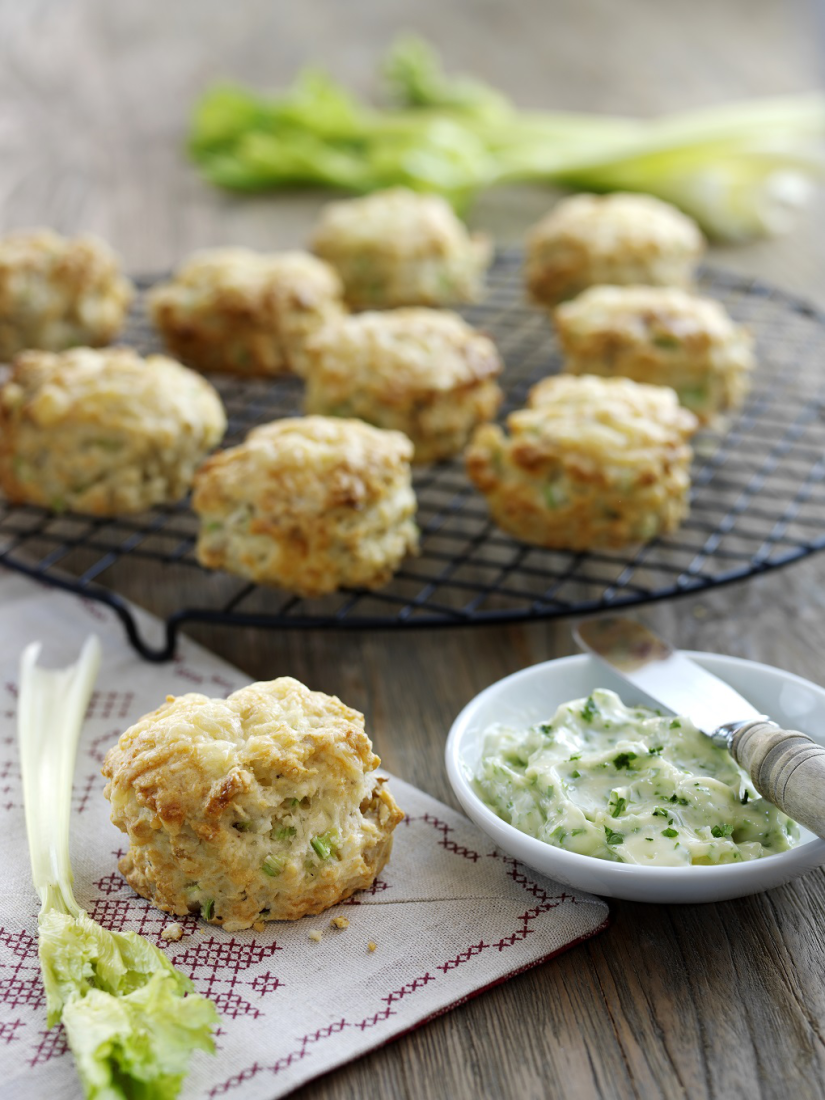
129,1022
740,169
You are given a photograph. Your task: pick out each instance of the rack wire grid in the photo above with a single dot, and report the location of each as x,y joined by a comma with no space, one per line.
757,503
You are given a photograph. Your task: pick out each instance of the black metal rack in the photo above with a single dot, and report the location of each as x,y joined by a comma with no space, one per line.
758,500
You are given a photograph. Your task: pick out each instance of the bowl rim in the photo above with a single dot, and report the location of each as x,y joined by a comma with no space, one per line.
803,853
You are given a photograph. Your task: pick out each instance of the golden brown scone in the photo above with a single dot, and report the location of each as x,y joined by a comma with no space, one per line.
262,806
424,372
401,248
663,336
593,462
622,239
103,432
310,504
245,312
57,293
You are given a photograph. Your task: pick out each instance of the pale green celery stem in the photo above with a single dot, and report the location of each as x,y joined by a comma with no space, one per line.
734,197
801,118
584,160
786,132
52,707
518,124
799,113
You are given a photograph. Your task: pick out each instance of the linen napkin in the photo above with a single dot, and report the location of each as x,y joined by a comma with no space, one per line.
449,916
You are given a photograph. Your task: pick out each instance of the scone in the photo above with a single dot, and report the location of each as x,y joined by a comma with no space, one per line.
400,248
661,335
621,239
424,372
103,432
57,293
245,312
594,462
310,504
262,806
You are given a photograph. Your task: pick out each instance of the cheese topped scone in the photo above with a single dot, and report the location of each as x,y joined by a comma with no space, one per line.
245,312
424,372
401,248
104,432
58,293
593,462
262,806
663,336
618,239
310,504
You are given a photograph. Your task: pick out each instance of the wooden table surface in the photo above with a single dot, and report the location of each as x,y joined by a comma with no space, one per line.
695,1001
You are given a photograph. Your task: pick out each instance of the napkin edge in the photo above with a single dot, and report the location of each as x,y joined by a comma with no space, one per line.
444,1009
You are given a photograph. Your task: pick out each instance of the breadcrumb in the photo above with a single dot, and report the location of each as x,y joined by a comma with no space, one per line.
339,922
314,935
371,946
173,931
259,925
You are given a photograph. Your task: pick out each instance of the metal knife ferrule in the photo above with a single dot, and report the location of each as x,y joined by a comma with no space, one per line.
723,735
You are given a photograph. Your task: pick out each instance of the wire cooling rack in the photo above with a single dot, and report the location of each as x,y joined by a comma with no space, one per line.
758,501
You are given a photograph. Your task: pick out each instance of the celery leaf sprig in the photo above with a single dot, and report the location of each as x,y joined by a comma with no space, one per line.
131,1019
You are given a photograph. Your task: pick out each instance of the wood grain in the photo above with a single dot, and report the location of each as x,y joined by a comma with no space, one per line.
716,1001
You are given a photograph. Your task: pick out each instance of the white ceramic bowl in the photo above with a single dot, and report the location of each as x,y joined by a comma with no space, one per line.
533,694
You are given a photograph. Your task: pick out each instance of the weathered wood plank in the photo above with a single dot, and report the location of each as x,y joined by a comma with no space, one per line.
696,1002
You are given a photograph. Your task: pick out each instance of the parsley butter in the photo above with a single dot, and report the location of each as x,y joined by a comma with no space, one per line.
629,785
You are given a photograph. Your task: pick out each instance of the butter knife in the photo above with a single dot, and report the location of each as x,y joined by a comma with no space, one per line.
786,767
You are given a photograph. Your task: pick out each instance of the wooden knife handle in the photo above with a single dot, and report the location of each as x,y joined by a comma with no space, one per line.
787,768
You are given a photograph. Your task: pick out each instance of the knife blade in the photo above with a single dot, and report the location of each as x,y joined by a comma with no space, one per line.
785,766
665,674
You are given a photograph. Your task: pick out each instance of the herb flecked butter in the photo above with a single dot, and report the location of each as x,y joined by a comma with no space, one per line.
630,785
